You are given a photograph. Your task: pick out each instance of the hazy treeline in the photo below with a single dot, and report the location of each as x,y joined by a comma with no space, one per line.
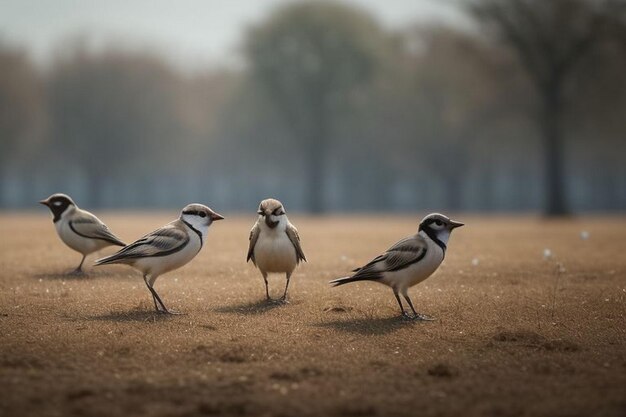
332,113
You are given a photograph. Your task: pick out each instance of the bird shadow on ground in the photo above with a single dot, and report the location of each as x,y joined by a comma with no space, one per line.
250,307
132,315
370,326
71,275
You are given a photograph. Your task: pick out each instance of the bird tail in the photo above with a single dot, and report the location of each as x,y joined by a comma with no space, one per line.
346,280
119,243
111,259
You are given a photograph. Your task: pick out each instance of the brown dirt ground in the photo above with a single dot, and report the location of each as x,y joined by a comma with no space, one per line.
516,335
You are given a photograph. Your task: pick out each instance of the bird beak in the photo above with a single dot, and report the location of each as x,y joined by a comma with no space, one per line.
269,222
44,202
454,225
215,216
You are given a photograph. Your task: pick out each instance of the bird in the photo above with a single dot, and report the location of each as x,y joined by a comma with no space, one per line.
166,248
79,229
408,262
274,244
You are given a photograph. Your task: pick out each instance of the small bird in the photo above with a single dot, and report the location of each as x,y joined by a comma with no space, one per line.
167,248
274,243
79,229
410,261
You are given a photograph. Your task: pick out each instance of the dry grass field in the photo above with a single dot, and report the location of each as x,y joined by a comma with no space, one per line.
515,335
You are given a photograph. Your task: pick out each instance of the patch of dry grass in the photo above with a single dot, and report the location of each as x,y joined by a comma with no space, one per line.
516,334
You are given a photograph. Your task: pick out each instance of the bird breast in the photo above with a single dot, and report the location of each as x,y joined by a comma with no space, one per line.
274,252
418,272
77,242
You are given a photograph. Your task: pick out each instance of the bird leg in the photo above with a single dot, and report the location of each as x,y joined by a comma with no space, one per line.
404,313
267,290
164,309
79,268
416,315
156,307
284,297
156,298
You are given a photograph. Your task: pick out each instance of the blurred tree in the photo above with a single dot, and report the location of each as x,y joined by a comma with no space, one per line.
310,59
113,110
250,132
21,105
601,97
453,107
203,100
550,38
442,98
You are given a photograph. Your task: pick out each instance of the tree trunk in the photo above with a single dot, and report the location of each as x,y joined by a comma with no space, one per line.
454,193
315,172
95,191
2,188
316,144
555,203
486,190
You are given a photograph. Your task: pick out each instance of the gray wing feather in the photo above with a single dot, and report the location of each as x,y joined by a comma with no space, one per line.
401,255
89,226
254,236
162,242
292,233
405,253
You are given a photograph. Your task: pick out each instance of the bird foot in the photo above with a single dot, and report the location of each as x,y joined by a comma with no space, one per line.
170,312
76,273
417,317
279,301
405,316
423,317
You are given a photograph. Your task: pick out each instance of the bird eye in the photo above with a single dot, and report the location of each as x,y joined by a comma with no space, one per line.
202,214
438,222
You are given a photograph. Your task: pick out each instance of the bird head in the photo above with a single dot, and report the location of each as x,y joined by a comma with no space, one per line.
199,215
272,212
438,226
58,204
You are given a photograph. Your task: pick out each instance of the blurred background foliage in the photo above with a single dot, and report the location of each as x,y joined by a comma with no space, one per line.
524,110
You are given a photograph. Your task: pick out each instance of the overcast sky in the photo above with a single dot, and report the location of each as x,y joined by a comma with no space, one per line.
190,32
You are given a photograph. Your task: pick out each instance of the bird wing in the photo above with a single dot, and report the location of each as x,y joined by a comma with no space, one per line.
89,226
254,236
401,255
293,235
162,242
